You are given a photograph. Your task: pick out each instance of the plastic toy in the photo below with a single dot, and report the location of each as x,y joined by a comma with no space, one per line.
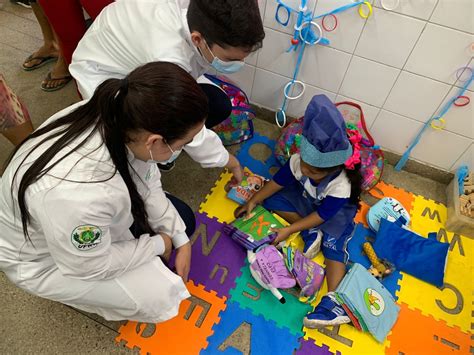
269,270
304,35
436,122
238,127
379,268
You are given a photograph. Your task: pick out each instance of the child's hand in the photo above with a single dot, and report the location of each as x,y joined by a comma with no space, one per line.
245,209
283,234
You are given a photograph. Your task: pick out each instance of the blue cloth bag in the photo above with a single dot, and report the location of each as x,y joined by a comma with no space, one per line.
423,258
365,295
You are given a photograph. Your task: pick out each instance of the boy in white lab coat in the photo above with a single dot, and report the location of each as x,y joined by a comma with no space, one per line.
207,35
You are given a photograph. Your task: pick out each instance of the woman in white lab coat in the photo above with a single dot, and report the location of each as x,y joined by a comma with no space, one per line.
205,37
78,189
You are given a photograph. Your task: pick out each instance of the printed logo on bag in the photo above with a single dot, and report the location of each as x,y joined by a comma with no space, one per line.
86,237
374,301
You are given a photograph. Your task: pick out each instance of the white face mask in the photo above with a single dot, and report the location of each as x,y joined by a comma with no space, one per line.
174,155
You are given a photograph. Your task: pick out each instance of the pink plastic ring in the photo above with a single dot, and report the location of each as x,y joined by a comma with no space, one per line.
465,102
461,71
324,25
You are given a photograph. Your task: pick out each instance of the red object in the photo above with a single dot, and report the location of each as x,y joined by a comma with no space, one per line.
462,103
67,19
323,24
294,41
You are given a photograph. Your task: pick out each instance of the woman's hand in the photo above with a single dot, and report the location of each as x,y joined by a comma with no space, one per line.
183,261
245,209
282,234
168,246
236,169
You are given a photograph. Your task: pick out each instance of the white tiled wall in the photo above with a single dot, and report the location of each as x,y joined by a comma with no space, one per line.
399,65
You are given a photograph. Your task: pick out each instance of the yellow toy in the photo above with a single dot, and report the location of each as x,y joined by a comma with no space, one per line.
379,267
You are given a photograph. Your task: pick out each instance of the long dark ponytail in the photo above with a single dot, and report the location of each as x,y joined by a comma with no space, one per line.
354,177
158,97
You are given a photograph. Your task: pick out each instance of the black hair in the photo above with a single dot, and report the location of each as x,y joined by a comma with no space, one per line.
157,97
228,23
354,177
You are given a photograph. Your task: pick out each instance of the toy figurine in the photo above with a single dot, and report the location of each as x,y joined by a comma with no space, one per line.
379,268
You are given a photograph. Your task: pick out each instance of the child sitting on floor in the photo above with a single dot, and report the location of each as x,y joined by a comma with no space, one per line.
318,192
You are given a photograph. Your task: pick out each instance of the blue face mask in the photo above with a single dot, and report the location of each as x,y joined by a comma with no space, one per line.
225,67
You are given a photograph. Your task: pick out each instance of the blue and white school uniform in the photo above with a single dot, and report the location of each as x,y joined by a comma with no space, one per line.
330,198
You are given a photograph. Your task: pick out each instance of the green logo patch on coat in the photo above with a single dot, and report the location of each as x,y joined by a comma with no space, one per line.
86,237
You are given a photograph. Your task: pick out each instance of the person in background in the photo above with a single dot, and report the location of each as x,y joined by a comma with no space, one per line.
50,51
15,122
62,24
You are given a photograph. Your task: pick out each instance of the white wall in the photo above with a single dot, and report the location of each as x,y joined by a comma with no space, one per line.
399,65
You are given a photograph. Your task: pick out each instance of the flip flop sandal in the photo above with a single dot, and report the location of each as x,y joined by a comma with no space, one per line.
43,61
65,80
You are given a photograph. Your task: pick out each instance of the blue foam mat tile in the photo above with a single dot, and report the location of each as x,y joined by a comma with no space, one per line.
264,338
257,166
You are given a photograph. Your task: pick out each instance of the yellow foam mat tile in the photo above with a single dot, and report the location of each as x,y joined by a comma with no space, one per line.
217,204
452,302
346,339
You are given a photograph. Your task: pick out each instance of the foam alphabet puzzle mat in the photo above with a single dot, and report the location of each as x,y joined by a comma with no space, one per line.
229,313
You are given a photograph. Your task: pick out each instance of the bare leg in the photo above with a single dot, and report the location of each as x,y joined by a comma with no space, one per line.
50,45
57,74
17,134
335,271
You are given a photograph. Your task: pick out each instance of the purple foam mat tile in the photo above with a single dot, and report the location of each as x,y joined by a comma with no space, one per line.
308,347
216,259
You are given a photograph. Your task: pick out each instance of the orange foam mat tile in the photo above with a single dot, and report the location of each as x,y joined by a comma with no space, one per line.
416,334
184,334
361,216
383,189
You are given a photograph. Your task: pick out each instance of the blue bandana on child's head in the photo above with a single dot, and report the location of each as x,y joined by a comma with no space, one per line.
324,143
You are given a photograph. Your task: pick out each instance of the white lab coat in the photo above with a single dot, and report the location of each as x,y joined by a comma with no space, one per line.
130,33
116,276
